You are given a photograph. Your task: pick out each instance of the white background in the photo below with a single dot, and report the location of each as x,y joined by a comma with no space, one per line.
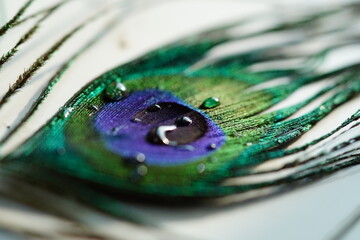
312,212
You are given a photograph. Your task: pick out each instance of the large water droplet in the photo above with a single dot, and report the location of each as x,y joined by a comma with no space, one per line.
211,102
115,91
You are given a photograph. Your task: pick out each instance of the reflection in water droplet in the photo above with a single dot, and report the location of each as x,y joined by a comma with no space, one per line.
211,102
183,121
158,135
201,168
142,170
154,108
136,120
115,91
67,111
140,157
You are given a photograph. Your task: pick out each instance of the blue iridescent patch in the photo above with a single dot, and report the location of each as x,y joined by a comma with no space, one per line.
158,125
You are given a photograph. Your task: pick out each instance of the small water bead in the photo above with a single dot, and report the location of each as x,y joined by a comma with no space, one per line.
94,108
211,102
183,121
142,170
61,151
249,144
136,120
67,112
115,130
154,108
140,157
115,91
201,168
212,146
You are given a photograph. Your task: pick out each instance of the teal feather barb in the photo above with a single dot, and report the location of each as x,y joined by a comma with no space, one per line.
179,123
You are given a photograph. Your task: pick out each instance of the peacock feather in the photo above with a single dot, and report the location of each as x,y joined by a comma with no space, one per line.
181,123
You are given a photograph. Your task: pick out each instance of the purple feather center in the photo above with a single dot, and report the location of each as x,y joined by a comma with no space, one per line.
128,126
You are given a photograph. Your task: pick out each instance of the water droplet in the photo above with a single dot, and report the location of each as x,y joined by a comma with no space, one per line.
154,108
201,168
183,121
142,170
94,108
322,107
115,130
211,102
280,140
212,146
136,120
115,91
60,151
140,157
67,111
249,144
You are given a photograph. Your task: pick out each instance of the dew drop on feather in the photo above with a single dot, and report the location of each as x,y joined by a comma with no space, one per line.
115,91
154,108
211,102
67,112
